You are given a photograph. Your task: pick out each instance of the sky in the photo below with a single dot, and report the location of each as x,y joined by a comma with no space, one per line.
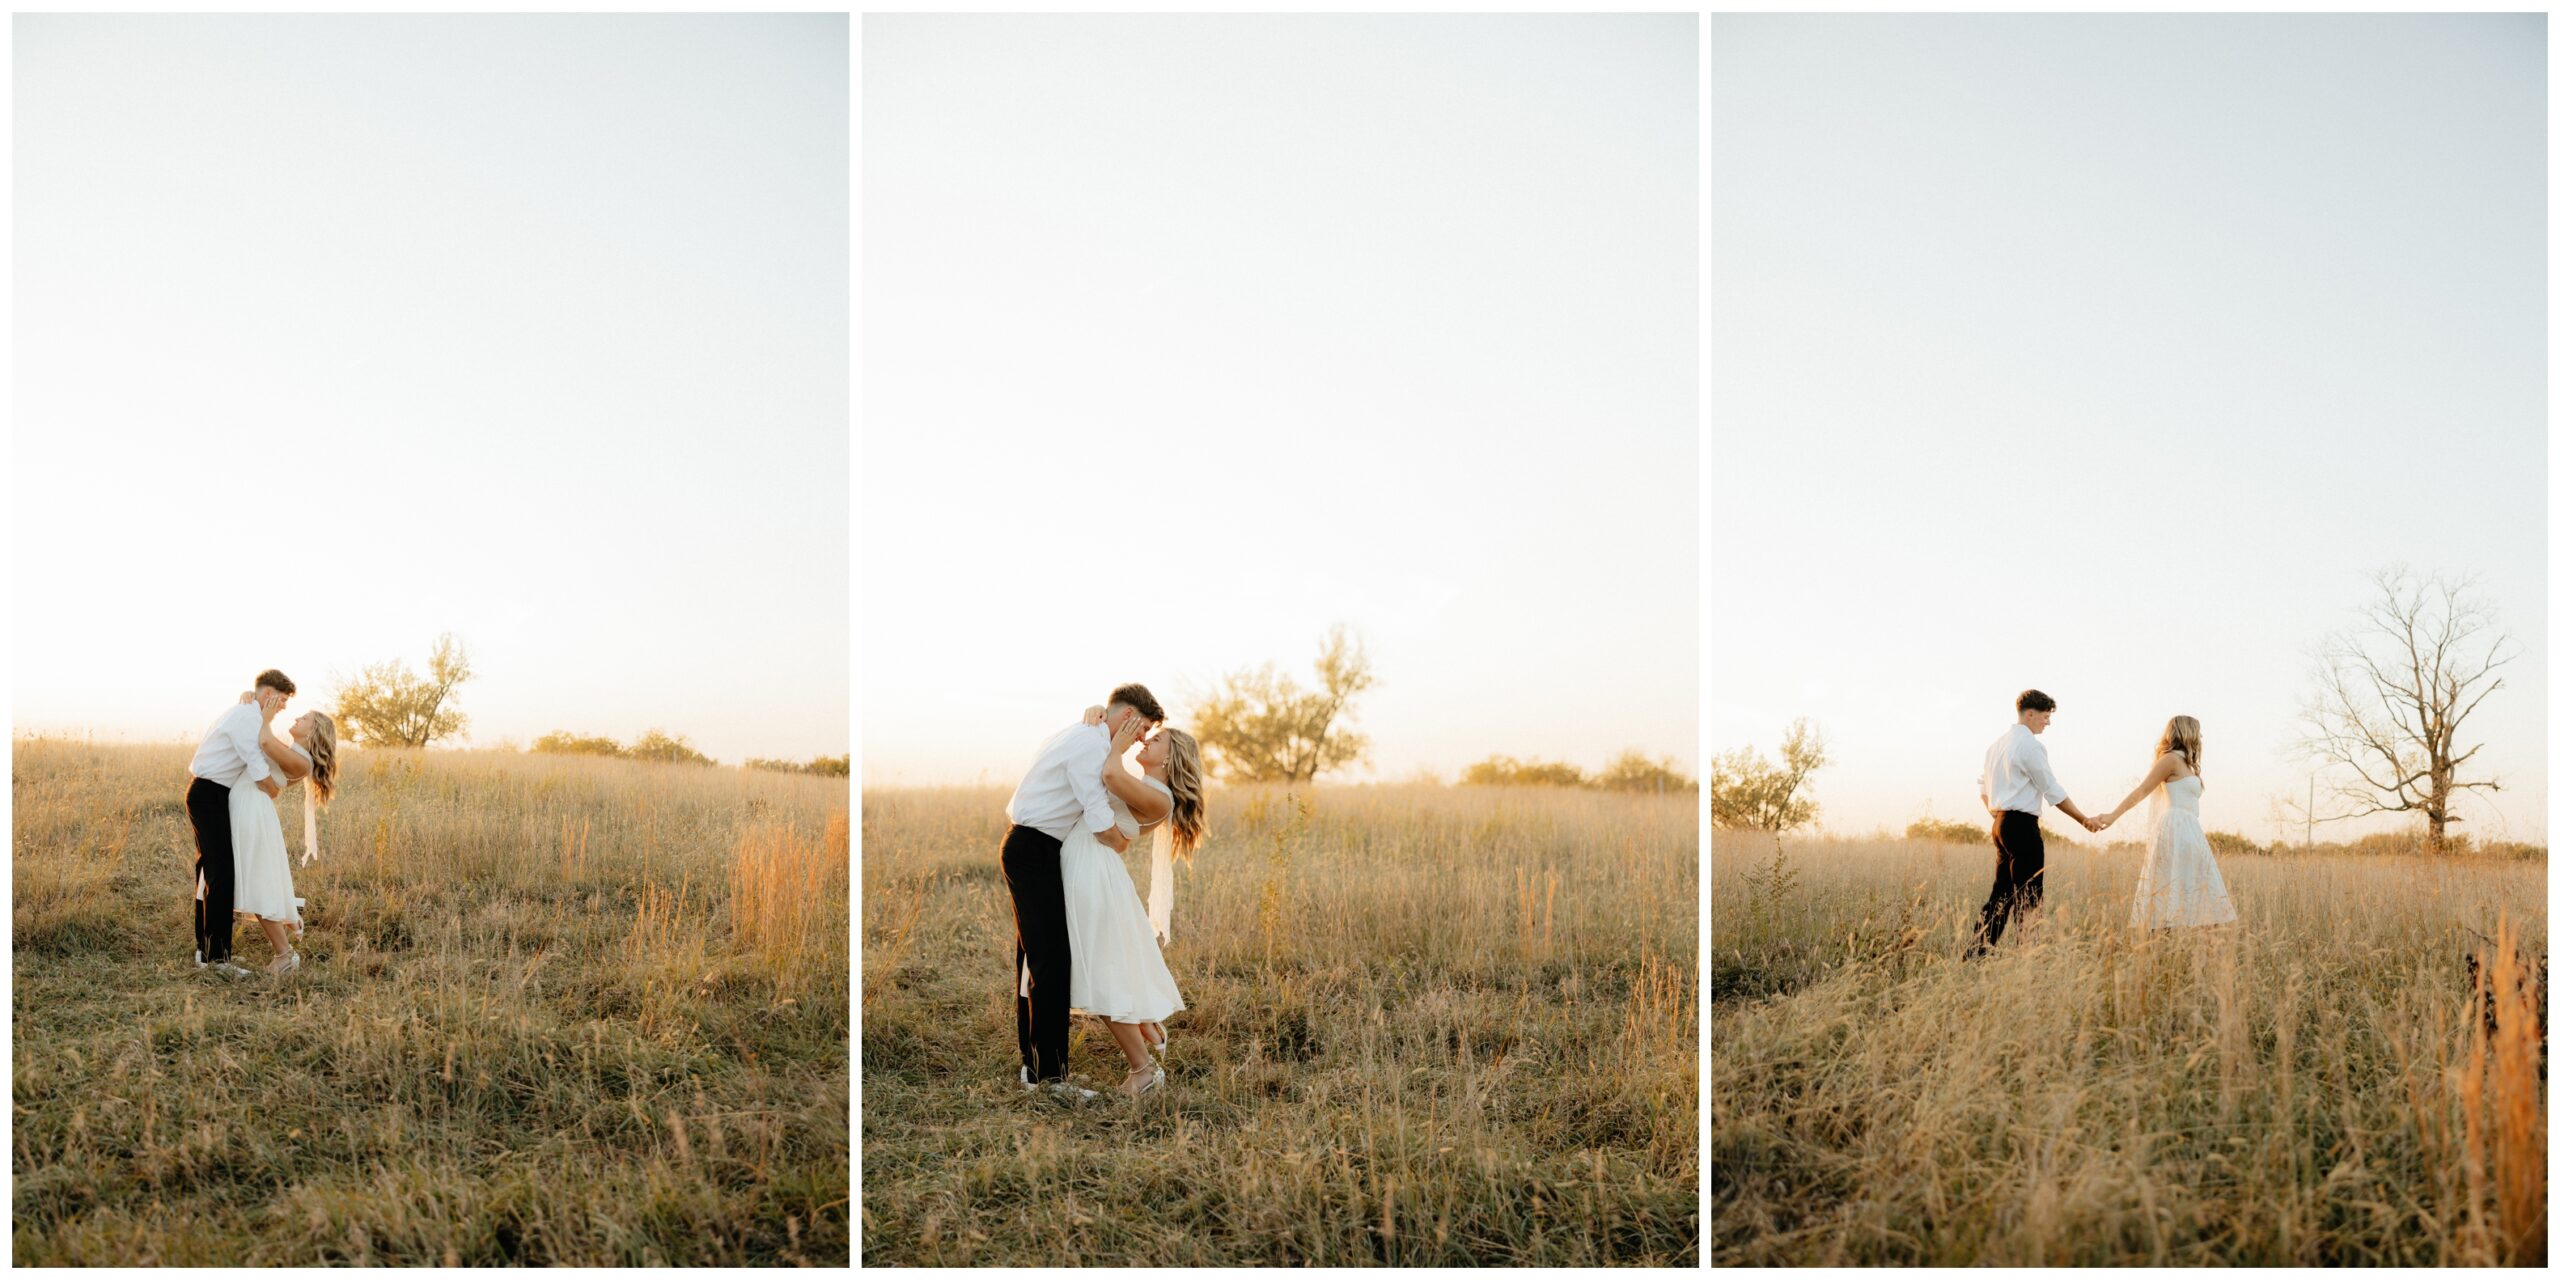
1186,337
335,332
2104,355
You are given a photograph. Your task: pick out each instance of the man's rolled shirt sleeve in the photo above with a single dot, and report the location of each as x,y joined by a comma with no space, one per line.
1084,772
243,732
2040,772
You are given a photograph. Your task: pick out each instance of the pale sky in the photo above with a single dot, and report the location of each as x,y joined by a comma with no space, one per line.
336,332
1187,336
2103,354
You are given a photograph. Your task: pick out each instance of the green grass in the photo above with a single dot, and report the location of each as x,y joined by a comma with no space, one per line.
551,1012
1425,1026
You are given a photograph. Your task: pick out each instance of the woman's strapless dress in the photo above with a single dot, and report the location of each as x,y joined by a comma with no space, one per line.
2181,885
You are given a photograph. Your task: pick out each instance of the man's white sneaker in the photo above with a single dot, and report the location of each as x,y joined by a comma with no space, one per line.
1025,1078
231,971
1063,1091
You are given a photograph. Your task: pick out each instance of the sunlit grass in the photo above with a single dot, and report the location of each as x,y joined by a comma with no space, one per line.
1426,1026
553,1011
2309,1086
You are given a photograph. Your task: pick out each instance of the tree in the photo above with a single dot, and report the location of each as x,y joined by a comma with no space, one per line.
389,705
2391,692
1749,792
1262,726
657,745
565,743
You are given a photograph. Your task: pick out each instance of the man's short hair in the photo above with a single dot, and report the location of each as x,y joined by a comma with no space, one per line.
276,680
1136,696
2034,700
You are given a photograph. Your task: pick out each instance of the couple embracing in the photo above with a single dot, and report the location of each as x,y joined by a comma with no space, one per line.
241,870
1082,942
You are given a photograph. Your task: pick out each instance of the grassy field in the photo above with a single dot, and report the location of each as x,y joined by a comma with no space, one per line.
552,1011
2310,1086
1426,1026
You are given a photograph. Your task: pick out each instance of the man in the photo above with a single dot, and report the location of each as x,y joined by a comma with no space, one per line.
1062,791
228,757
2016,782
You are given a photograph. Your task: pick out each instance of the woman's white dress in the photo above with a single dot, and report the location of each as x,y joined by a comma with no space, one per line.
2181,885
261,873
1116,969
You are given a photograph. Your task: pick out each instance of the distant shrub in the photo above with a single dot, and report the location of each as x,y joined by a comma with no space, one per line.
1635,771
2412,844
1631,771
823,766
1951,832
1503,771
565,743
2226,843
2513,850
658,746
1968,833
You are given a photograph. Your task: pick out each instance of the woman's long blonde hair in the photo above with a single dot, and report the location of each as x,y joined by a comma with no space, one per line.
324,756
1184,777
2183,734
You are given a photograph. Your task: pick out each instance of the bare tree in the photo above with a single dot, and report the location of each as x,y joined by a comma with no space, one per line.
2391,692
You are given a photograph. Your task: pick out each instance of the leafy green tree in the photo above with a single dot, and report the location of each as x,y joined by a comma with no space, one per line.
1263,726
389,705
1749,792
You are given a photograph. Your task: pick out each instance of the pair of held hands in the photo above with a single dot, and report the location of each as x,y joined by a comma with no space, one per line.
2096,824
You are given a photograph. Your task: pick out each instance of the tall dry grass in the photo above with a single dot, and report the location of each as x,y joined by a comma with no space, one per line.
1425,1027
2313,1085
553,1011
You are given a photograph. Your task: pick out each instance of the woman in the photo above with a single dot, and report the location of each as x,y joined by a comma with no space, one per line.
262,875
1119,974
2181,886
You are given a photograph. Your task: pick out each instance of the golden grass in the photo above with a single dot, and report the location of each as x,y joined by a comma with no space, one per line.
1426,1027
2309,1086
552,1011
